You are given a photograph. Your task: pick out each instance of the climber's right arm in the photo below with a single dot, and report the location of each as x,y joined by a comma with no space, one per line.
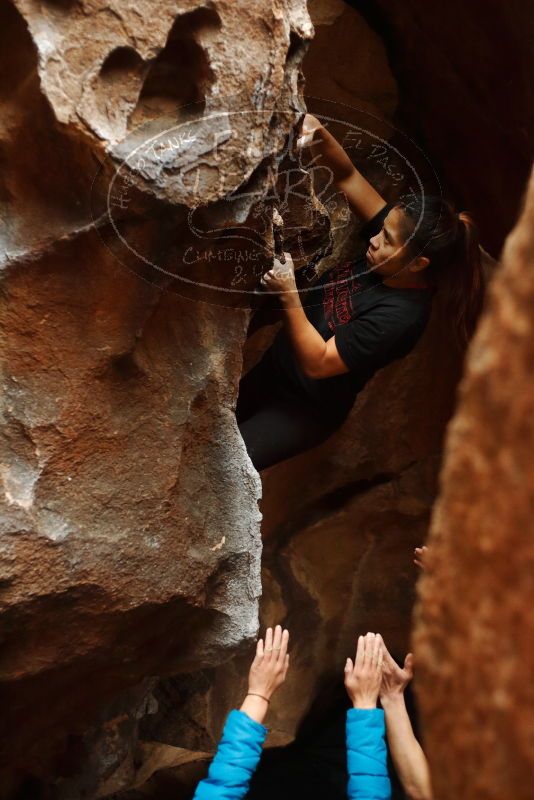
362,198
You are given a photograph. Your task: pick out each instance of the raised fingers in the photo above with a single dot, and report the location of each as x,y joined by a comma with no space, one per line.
277,640
369,648
284,641
377,651
408,665
386,656
360,653
268,649
383,649
286,666
419,556
380,662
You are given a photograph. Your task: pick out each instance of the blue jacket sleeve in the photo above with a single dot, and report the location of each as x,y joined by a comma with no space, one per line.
367,755
235,760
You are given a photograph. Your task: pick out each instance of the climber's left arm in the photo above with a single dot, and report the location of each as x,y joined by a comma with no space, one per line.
317,358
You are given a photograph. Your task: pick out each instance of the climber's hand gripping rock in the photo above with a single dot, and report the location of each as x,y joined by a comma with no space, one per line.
281,278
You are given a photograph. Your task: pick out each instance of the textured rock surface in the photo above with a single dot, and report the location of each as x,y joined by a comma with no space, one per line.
162,69
130,529
475,631
130,538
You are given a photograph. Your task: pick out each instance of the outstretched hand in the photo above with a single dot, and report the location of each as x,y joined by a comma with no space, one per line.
394,678
269,668
267,672
363,678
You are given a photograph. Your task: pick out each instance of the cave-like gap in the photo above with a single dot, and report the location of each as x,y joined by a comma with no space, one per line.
20,63
180,76
121,61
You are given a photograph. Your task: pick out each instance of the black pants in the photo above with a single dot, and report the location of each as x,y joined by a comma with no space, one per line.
275,424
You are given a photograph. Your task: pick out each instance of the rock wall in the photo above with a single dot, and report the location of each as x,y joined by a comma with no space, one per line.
475,624
130,547
130,539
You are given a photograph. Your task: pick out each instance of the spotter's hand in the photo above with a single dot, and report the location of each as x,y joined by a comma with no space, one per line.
421,556
364,676
281,278
394,678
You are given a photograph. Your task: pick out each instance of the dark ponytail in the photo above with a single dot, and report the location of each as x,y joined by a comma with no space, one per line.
450,242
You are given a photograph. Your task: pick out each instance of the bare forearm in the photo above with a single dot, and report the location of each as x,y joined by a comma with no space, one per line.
406,752
255,707
308,344
328,152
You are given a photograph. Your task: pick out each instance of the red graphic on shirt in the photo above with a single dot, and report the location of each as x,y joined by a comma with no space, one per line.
337,296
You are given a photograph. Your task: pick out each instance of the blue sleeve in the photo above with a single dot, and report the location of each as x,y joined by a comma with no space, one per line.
367,755
235,760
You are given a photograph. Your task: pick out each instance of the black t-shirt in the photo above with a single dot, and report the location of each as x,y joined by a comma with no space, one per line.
374,324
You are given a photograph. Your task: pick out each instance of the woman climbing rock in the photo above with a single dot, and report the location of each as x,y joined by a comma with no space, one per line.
359,316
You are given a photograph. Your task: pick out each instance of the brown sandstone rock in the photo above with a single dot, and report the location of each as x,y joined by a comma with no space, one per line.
217,74
130,541
475,629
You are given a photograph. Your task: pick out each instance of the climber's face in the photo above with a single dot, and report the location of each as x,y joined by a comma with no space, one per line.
387,253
